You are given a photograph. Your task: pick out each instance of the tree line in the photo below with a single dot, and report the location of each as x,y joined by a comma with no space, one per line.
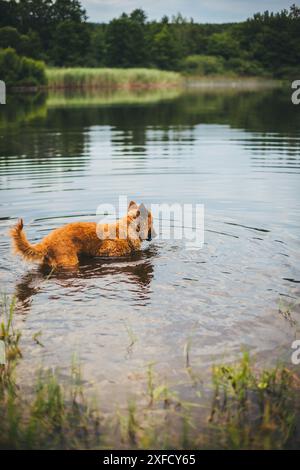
57,32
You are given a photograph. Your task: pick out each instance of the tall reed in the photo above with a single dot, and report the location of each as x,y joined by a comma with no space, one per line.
110,78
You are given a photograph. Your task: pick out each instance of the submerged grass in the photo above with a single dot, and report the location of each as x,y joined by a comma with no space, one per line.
110,78
10,339
250,409
254,409
56,418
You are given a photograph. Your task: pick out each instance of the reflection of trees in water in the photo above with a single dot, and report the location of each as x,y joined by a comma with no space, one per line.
136,273
28,130
260,111
268,114
61,131
22,108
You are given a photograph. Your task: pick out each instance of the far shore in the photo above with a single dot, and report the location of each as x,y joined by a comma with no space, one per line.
76,79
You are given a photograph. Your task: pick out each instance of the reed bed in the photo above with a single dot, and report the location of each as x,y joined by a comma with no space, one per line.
107,78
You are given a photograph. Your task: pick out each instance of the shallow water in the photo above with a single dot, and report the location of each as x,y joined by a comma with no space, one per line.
236,152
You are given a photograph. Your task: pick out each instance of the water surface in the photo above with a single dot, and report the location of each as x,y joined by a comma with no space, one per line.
236,152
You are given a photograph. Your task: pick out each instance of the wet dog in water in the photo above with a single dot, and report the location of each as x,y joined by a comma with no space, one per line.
63,246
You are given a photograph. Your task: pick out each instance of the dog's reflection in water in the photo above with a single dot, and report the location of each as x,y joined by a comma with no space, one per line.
132,274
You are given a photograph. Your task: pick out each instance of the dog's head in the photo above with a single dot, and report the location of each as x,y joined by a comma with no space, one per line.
140,222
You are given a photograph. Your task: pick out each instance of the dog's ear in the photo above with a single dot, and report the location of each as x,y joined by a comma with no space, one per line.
132,205
143,210
133,210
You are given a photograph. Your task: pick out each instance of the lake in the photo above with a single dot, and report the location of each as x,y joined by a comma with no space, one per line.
237,151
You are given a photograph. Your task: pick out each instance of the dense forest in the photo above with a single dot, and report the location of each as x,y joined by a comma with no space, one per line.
58,33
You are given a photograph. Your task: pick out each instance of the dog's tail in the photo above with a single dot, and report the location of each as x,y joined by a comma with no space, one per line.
22,245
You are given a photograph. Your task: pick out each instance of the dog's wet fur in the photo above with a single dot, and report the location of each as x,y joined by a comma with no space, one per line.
63,246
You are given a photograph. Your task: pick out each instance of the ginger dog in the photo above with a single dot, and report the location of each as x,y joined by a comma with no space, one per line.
63,246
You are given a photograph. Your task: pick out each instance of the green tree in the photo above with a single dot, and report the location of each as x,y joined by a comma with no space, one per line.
9,37
41,17
165,49
273,40
70,45
68,10
8,13
24,44
139,16
18,71
224,45
126,41
181,28
36,15
97,52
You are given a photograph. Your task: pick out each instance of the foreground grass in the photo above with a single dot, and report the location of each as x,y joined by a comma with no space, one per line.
249,409
110,78
254,409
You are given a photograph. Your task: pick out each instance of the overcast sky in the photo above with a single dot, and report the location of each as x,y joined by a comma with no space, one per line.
204,11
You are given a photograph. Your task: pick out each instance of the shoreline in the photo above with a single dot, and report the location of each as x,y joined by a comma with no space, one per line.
232,82
110,79
201,83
